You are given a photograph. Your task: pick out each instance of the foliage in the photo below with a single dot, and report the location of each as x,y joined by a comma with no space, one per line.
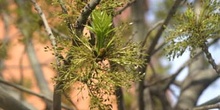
101,67
192,30
101,27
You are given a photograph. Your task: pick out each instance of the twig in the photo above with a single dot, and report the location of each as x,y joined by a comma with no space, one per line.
158,48
150,30
68,21
60,33
21,70
177,83
150,50
207,107
152,68
21,88
210,59
125,7
38,72
47,27
175,74
21,67
162,28
212,101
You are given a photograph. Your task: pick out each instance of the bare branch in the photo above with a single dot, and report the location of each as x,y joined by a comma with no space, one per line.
175,74
192,87
21,88
21,66
60,33
207,107
158,48
165,23
68,21
151,49
38,72
212,101
21,69
150,30
47,27
57,94
7,102
152,68
210,59
125,7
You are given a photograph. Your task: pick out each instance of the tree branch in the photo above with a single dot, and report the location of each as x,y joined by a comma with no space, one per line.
57,94
38,72
175,74
212,101
87,10
151,50
210,59
193,86
7,102
68,21
47,27
125,7
165,23
30,92
159,23
207,107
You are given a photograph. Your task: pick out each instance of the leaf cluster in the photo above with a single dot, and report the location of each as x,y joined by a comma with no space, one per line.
192,30
111,62
101,26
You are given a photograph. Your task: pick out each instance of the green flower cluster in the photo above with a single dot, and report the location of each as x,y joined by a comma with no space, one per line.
192,30
111,62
